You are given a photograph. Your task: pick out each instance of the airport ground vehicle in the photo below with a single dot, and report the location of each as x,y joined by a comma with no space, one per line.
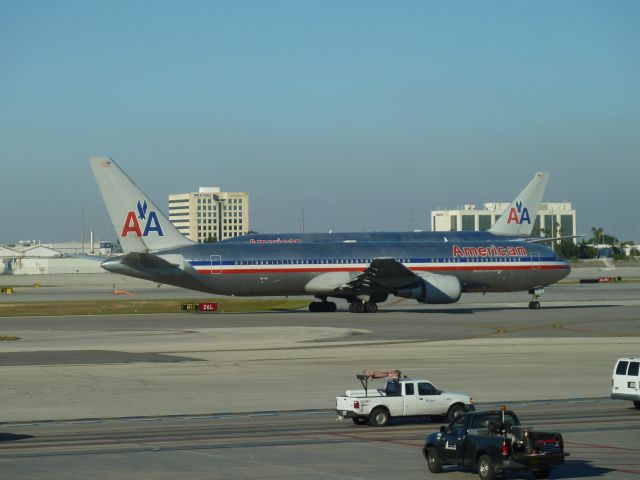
625,380
493,441
401,397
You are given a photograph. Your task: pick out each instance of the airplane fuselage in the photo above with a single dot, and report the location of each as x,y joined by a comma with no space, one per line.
229,268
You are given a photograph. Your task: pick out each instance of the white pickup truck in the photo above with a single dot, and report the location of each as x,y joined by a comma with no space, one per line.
401,397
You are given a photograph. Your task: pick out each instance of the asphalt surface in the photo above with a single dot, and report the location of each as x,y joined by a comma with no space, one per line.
601,436
207,396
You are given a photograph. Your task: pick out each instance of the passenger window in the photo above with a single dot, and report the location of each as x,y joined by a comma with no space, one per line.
633,368
457,427
408,389
426,389
621,369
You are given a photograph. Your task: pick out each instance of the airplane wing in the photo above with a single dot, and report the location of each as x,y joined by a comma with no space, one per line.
382,274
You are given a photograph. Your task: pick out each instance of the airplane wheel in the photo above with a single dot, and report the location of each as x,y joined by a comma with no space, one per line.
351,307
315,307
371,307
358,307
536,305
331,307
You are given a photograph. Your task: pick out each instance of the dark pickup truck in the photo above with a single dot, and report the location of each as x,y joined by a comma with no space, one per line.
493,441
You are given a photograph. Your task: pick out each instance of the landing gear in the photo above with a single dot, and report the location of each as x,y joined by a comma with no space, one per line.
536,293
363,307
323,306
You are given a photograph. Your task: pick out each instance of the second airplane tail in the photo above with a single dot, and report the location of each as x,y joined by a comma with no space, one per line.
138,222
519,217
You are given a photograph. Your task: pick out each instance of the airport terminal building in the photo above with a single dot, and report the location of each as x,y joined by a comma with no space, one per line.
552,220
210,214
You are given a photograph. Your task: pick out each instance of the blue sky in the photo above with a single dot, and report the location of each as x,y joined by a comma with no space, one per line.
357,111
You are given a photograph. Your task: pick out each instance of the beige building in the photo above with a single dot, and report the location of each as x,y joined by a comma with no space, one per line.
552,220
210,214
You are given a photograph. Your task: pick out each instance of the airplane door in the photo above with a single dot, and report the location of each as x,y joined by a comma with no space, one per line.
535,261
216,264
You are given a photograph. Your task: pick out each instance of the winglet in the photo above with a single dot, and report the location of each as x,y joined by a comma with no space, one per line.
138,222
519,217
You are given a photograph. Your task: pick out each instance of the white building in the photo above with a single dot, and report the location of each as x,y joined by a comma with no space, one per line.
37,259
210,214
552,220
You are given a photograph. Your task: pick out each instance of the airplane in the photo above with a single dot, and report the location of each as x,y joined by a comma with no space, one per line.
364,274
515,223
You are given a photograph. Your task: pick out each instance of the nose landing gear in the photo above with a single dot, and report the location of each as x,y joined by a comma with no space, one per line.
536,293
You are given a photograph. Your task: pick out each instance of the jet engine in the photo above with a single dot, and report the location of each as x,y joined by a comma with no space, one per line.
433,288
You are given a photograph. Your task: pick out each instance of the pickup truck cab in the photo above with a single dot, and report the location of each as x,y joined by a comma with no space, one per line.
493,442
400,397
625,380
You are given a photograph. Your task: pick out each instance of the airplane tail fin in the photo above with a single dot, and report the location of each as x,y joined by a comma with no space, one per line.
519,217
138,222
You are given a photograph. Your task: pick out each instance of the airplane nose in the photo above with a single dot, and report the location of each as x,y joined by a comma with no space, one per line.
565,270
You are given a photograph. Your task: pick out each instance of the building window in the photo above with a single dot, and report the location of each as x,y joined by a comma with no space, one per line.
484,222
536,227
548,225
468,222
566,224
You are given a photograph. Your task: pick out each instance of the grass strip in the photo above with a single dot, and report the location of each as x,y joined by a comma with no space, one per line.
125,307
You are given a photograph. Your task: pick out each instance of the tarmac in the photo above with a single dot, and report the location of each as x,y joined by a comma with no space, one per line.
251,395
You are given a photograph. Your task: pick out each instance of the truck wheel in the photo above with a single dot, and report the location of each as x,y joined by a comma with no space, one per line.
636,404
360,420
485,468
542,473
433,461
379,418
454,410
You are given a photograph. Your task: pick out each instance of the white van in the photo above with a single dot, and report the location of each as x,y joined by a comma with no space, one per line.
625,382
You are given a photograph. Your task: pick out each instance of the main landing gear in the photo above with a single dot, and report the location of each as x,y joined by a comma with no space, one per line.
534,304
322,306
363,307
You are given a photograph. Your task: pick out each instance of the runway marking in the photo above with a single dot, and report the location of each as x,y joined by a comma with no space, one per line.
379,440
323,473
283,413
607,463
609,447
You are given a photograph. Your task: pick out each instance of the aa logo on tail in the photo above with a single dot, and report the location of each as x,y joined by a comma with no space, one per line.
519,214
150,220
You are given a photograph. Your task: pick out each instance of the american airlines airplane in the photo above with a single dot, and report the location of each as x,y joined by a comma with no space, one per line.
363,273
516,223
